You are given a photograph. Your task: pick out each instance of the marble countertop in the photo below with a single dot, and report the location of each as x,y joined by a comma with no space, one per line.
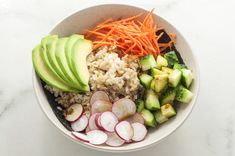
207,24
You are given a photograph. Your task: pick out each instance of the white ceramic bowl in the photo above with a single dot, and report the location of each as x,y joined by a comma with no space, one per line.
86,19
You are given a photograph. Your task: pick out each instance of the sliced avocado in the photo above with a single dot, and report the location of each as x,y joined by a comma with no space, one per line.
80,51
45,73
62,61
160,82
44,44
52,46
68,48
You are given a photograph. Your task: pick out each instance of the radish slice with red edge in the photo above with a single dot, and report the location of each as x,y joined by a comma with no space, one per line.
99,95
124,108
80,124
97,137
108,121
87,129
135,118
100,106
124,130
74,112
92,125
97,121
140,131
114,140
80,136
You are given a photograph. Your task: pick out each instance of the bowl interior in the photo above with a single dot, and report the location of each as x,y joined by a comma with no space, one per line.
86,19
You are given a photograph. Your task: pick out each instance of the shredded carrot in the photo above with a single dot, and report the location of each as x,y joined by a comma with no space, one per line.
131,36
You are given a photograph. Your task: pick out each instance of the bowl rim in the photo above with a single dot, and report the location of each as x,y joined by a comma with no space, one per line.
197,88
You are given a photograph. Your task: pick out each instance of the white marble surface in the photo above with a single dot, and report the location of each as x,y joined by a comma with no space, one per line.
209,25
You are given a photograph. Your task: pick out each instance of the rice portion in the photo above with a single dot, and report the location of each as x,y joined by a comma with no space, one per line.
115,75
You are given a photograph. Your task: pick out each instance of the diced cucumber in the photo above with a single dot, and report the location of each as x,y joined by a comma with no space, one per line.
145,80
174,78
140,105
171,58
155,72
160,82
160,118
167,70
148,62
179,66
151,101
149,119
161,62
168,96
167,110
183,95
152,85
187,77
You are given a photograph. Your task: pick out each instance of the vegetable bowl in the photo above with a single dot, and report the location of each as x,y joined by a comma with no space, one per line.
115,78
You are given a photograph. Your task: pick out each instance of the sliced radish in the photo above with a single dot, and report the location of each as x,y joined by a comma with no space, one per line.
99,95
87,129
74,112
135,118
129,142
124,130
80,136
100,106
108,121
140,131
80,124
92,125
97,121
97,137
124,108
114,140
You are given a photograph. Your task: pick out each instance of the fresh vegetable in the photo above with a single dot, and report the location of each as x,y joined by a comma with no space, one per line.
171,58
124,108
130,35
139,105
160,118
135,118
179,66
97,137
148,62
124,130
160,82
74,112
100,106
183,94
187,77
80,136
80,124
161,62
145,80
152,84
152,102
149,119
168,96
140,131
91,124
99,95
167,70
155,72
108,121
174,78
168,111
114,140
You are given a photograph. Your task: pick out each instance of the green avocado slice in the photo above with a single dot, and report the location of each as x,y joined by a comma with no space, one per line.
62,61
80,51
45,73
68,48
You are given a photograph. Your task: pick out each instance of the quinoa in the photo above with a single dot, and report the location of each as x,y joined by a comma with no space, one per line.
108,72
